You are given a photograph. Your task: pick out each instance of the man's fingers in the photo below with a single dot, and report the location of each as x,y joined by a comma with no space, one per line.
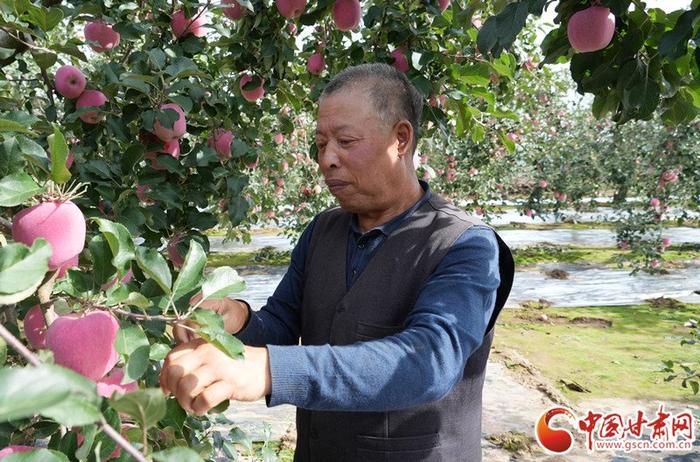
192,384
210,397
180,361
183,334
195,298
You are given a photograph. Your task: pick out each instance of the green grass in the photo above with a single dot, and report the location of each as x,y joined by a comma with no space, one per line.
620,361
545,253
265,256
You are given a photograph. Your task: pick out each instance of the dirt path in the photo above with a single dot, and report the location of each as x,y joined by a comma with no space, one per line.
515,395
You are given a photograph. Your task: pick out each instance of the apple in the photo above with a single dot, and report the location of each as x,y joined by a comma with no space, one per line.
70,81
253,94
235,11
400,61
102,35
183,25
347,14
179,127
62,224
316,64
84,342
290,8
220,140
90,98
591,29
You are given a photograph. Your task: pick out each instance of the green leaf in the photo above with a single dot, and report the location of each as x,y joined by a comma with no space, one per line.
674,43
22,269
147,406
17,188
221,282
59,153
89,432
211,329
12,126
129,339
192,270
238,436
158,352
157,57
33,151
138,300
45,59
180,67
177,454
137,364
48,390
120,243
155,267
101,255
37,455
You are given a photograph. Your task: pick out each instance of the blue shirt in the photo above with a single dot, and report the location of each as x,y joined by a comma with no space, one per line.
450,316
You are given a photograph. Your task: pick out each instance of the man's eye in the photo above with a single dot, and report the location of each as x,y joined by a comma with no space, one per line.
346,142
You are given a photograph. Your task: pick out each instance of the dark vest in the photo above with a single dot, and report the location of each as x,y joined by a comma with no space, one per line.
376,306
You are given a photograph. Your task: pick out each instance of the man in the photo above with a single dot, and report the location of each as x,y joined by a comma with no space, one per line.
394,296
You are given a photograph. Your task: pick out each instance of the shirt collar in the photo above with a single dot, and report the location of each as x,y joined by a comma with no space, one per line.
394,223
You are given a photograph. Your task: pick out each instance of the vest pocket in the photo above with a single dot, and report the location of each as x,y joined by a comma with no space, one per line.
404,448
365,331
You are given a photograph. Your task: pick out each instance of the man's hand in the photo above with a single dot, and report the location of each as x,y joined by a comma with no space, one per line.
235,314
201,376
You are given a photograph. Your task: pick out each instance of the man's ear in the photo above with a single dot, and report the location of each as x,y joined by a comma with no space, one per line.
404,135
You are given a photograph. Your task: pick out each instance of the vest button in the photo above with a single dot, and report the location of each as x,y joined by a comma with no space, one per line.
313,433
340,309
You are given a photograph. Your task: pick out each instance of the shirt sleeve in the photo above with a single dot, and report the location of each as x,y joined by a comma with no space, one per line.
278,322
415,366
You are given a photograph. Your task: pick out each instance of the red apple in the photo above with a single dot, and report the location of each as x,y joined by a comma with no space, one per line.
400,61
62,224
220,141
35,327
84,343
178,129
103,35
347,14
91,98
70,82
316,64
183,25
235,11
171,147
290,8
591,29
254,94
112,383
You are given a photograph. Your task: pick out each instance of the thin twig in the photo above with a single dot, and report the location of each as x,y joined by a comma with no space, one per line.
138,317
18,346
29,45
121,441
49,87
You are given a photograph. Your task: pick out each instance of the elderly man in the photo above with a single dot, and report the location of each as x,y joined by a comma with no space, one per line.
394,296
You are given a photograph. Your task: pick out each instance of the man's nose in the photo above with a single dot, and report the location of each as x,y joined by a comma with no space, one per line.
329,158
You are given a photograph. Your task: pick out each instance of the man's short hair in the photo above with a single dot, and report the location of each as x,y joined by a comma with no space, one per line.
393,95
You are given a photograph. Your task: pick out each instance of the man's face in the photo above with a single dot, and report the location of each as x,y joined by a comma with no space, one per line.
356,146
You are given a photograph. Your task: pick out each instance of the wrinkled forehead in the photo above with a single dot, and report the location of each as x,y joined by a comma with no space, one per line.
345,110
